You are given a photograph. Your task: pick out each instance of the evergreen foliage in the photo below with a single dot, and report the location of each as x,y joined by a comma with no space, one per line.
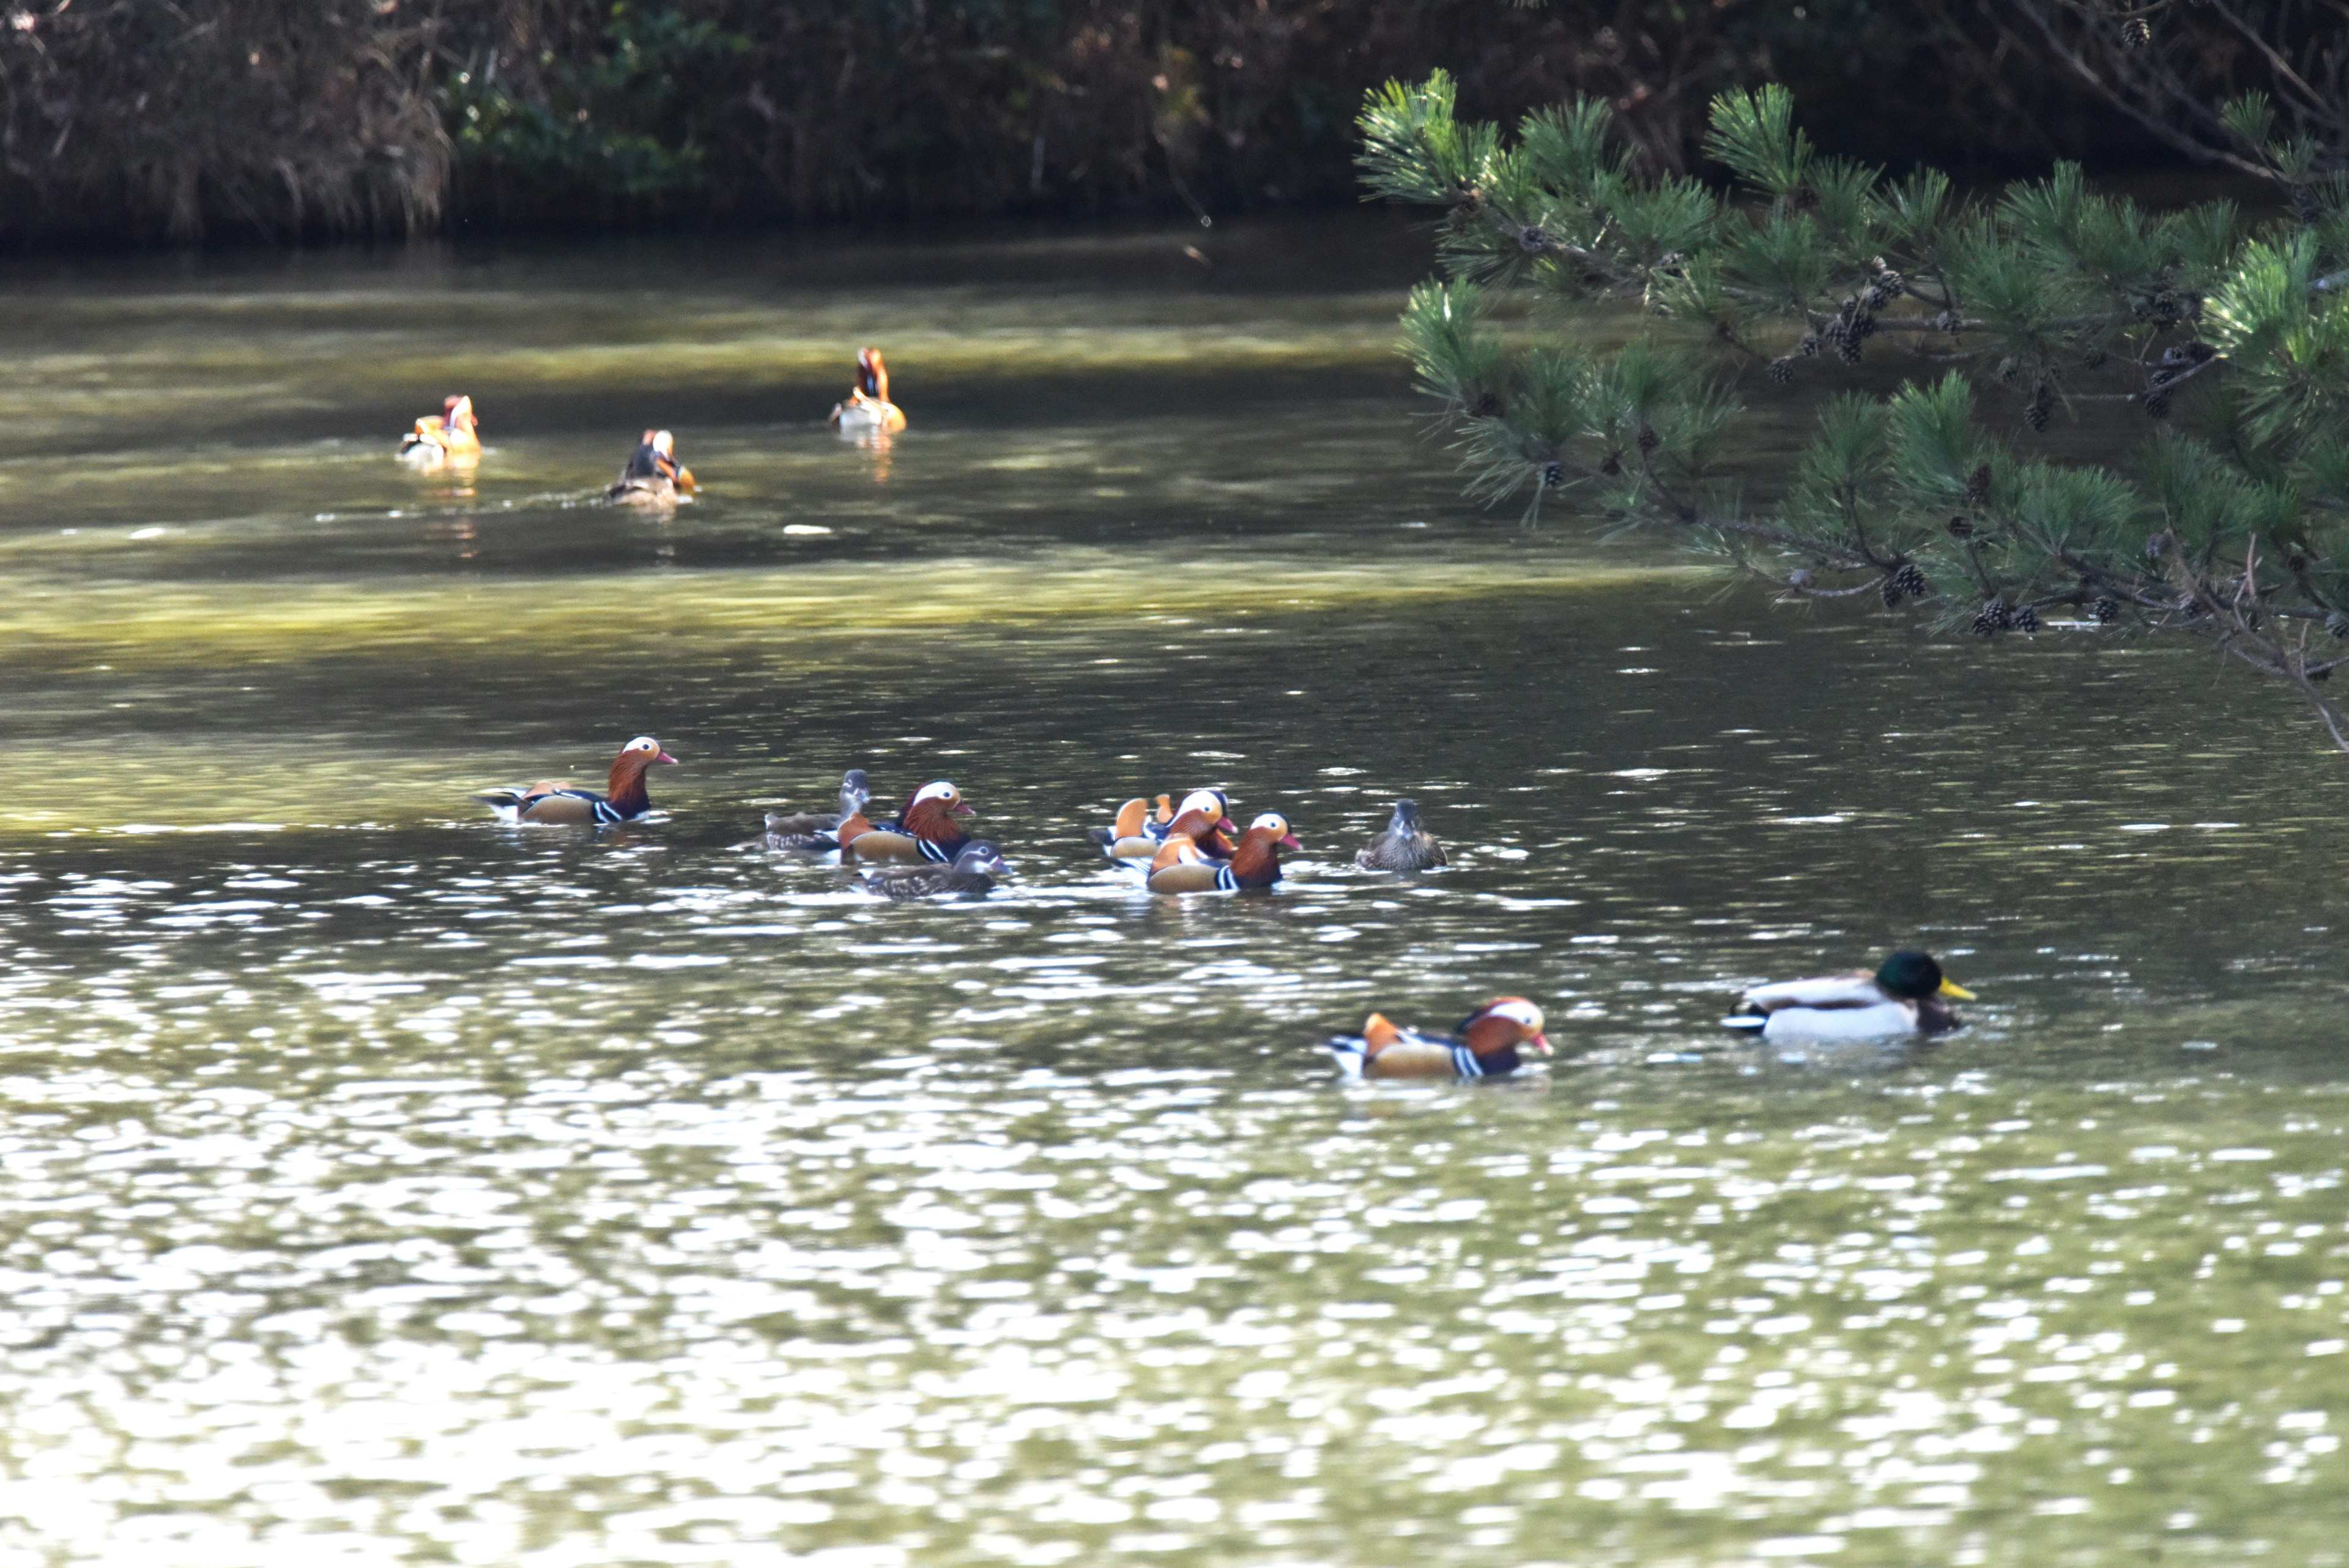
2221,511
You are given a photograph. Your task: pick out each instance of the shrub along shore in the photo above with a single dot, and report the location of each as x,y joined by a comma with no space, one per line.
126,121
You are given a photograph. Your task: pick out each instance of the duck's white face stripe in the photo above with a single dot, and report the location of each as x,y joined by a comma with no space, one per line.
1520,1012
642,743
1270,819
1204,800
664,442
938,790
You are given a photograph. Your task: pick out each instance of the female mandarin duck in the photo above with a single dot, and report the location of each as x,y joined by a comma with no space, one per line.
1485,1046
867,410
652,476
445,439
1405,845
972,874
820,831
928,830
1183,868
556,803
1908,995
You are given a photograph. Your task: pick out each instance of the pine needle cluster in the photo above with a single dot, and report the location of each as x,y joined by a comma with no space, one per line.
2225,517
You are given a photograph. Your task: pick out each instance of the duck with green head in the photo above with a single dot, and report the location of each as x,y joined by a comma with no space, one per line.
1908,995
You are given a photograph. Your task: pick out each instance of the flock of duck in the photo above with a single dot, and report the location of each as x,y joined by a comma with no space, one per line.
1166,846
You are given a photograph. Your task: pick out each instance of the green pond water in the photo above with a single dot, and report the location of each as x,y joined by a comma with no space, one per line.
385,1185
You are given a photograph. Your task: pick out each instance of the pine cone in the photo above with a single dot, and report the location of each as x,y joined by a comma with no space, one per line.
2305,207
1959,528
1908,581
2136,32
1847,349
1891,592
1553,476
1486,405
1612,465
1946,322
2025,619
2338,625
1782,371
1649,439
1978,487
2105,610
2157,405
1874,295
1799,578
1863,326
2094,358
1810,344
1991,619
1533,239
2010,370
2035,414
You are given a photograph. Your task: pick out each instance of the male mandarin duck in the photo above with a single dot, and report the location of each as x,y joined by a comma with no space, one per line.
821,830
652,476
972,874
1182,867
927,831
867,410
1485,1046
1204,817
1405,845
1140,828
1910,995
556,803
447,437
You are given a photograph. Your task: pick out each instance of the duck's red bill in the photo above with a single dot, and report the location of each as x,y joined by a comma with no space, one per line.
1541,1043
1290,841
664,757
962,808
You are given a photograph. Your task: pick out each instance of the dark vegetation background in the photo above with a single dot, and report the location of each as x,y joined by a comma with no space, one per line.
146,120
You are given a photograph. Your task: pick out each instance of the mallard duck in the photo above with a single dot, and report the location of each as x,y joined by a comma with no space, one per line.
1908,995
927,831
652,476
556,803
1182,867
867,410
972,874
1485,1046
447,439
819,830
1405,845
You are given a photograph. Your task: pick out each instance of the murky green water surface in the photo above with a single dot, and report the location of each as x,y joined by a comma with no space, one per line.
385,1185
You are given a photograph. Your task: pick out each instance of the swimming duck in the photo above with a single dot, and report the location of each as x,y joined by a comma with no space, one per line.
652,476
1138,830
821,830
556,803
1485,1046
973,873
1910,995
927,831
447,437
1182,867
1204,817
867,410
1405,845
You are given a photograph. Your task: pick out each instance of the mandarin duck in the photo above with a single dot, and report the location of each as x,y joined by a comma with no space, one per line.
972,874
819,830
867,410
1204,817
1405,845
926,830
1183,867
449,438
556,803
652,476
1485,1046
1908,995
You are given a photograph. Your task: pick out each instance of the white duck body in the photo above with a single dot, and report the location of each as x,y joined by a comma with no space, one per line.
1834,1007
